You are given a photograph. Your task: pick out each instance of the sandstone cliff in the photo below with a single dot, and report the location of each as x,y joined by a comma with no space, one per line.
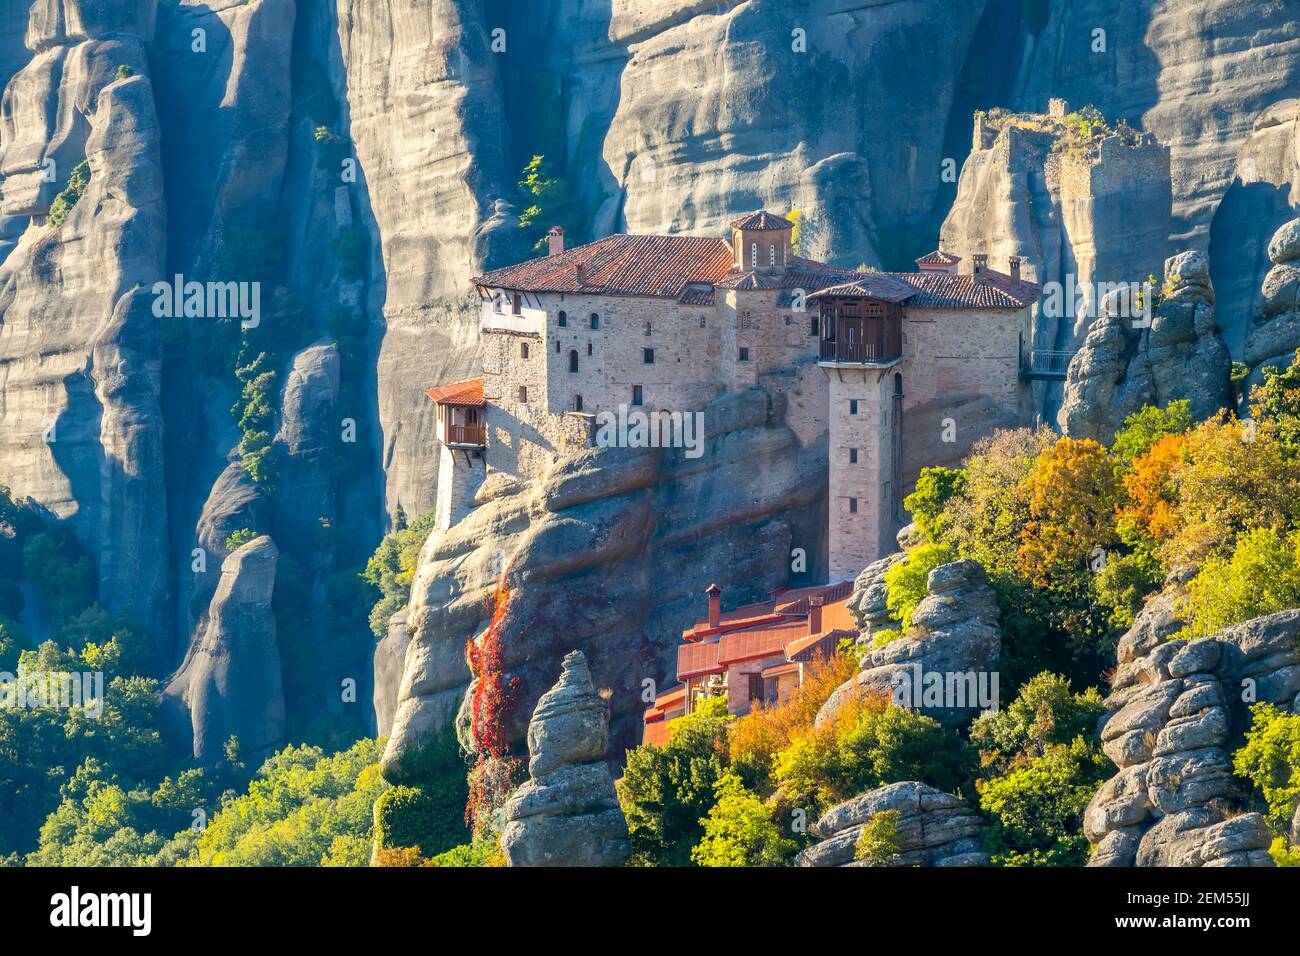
1274,333
230,682
80,424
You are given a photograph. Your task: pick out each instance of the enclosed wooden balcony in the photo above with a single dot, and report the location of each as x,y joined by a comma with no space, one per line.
857,331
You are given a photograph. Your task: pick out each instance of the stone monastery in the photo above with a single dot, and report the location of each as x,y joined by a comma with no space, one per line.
882,363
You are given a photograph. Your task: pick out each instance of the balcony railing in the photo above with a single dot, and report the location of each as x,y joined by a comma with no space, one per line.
1045,364
873,341
467,435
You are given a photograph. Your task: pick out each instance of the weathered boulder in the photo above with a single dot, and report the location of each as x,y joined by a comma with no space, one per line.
1125,364
567,812
953,646
230,682
1274,333
934,828
1173,707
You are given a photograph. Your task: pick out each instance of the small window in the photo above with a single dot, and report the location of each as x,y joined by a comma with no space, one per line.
853,456
557,346
588,348
789,319
647,356
755,687
636,395
814,327
563,319
523,393
595,321
577,403
573,360
517,305
649,328
496,302
523,350
744,354
703,321
753,255
771,253
853,506
853,406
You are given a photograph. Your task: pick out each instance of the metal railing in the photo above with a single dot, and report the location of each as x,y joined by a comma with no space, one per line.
1046,363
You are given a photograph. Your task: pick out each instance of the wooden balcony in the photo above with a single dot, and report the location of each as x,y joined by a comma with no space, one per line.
474,435
856,333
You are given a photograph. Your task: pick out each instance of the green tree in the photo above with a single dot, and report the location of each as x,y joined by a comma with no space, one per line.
1143,428
934,489
740,831
1036,810
62,205
881,841
1260,577
906,580
666,792
1270,759
391,569
550,202
1044,714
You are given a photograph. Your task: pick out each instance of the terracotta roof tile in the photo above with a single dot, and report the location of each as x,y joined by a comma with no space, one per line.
939,290
876,285
466,393
762,220
938,258
655,266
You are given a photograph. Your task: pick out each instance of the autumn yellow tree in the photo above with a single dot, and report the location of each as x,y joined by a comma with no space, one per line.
1072,494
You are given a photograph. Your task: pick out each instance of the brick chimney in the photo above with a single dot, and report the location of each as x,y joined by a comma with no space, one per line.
815,614
979,264
555,240
1013,267
715,604
579,273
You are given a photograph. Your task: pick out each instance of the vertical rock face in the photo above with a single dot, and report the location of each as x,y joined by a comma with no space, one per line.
1263,197
955,630
425,113
308,435
567,812
1123,365
934,828
1274,334
80,426
230,683
1171,711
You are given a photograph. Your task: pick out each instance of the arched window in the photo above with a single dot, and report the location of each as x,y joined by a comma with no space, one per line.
573,360
595,321
577,403
898,383
563,319
523,350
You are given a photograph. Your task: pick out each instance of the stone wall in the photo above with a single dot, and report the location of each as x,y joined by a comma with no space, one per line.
460,474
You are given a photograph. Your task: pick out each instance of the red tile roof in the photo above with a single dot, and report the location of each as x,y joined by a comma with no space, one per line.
759,642
468,393
697,658
655,266
938,258
762,220
656,733
939,290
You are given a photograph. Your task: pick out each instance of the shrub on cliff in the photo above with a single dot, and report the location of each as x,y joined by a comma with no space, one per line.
1261,576
62,205
392,568
907,580
1270,759
1045,713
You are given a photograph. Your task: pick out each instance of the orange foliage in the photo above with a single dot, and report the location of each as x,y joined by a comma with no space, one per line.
399,856
1152,507
1072,497
757,736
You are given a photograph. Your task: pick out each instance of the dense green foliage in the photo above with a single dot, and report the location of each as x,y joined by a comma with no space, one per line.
1270,759
739,830
1262,575
666,792
431,815
392,567
880,841
549,200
